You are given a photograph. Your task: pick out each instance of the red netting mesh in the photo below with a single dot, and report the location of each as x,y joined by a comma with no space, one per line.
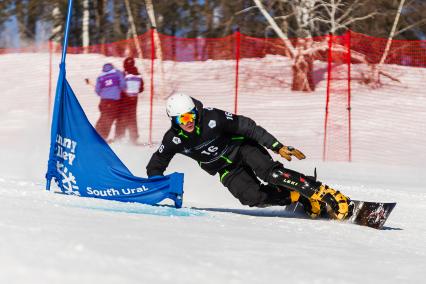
337,134
254,77
402,52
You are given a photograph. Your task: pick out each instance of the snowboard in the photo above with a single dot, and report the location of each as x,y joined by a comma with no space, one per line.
371,214
365,213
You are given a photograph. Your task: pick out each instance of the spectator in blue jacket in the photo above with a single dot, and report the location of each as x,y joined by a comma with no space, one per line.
109,86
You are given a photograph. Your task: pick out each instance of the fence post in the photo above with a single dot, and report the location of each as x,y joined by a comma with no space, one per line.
329,62
237,67
49,101
348,46
151,100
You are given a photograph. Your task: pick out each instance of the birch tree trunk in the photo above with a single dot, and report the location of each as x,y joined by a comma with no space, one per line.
302,68
278,31
157,44
395,24
157,41
85,27
372,78
57,27
133,29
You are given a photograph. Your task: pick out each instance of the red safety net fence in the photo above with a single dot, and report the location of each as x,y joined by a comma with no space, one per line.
337,123
356,109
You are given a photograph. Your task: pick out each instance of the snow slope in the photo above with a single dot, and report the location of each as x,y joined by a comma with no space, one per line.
51,238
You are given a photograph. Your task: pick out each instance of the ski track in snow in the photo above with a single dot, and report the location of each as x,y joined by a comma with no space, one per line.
53,238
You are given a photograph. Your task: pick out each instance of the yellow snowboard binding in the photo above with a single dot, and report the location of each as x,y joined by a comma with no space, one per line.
312,207
340,205
313,193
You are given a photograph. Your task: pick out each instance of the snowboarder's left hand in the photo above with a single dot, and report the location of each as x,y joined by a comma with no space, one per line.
287,151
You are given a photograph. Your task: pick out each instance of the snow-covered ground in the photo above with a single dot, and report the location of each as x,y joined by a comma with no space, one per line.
51,238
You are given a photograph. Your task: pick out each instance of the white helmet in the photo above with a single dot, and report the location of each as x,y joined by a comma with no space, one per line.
178,104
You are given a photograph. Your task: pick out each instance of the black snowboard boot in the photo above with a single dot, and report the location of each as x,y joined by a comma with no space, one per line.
340,205
282,196
313,208
279,196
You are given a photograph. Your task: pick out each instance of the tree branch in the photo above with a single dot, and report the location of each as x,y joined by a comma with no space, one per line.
348,11
283,17
386,74
246,10
410,27
274,25
352,20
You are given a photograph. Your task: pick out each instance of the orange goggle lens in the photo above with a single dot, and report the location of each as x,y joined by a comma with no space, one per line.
185,118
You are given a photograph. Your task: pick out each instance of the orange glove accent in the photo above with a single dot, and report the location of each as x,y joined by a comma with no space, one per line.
287,151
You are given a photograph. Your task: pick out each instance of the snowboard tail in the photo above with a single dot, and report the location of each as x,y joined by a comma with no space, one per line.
365,213
371,214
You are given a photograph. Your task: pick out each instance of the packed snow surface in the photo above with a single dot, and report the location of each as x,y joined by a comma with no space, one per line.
52,238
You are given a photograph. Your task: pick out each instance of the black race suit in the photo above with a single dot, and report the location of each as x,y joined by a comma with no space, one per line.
228,144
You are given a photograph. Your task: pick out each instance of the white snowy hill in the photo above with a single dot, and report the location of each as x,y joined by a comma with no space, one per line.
51,238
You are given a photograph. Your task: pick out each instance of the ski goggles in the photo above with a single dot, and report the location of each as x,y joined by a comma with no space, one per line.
186,117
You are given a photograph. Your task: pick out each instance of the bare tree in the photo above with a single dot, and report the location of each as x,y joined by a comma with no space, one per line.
100,15
133,29
27,13
5,8
157,43
332,15
338,15
372,77
276,28
85,28
392,33
302,63
57,24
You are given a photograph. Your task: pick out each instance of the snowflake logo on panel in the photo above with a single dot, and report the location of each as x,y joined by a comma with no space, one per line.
176,140
68,179
212,123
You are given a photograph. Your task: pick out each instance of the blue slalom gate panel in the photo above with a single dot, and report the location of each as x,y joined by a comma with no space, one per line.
82,163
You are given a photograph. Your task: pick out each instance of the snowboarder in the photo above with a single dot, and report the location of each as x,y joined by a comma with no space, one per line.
234,146
109,86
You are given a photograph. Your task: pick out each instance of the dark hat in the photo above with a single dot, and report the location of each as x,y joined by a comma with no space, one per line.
128,62
107,67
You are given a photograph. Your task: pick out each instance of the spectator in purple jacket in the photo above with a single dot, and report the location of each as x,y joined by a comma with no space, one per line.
109,86
127,119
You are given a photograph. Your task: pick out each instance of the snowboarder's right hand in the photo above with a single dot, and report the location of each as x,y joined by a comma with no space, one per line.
287,151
